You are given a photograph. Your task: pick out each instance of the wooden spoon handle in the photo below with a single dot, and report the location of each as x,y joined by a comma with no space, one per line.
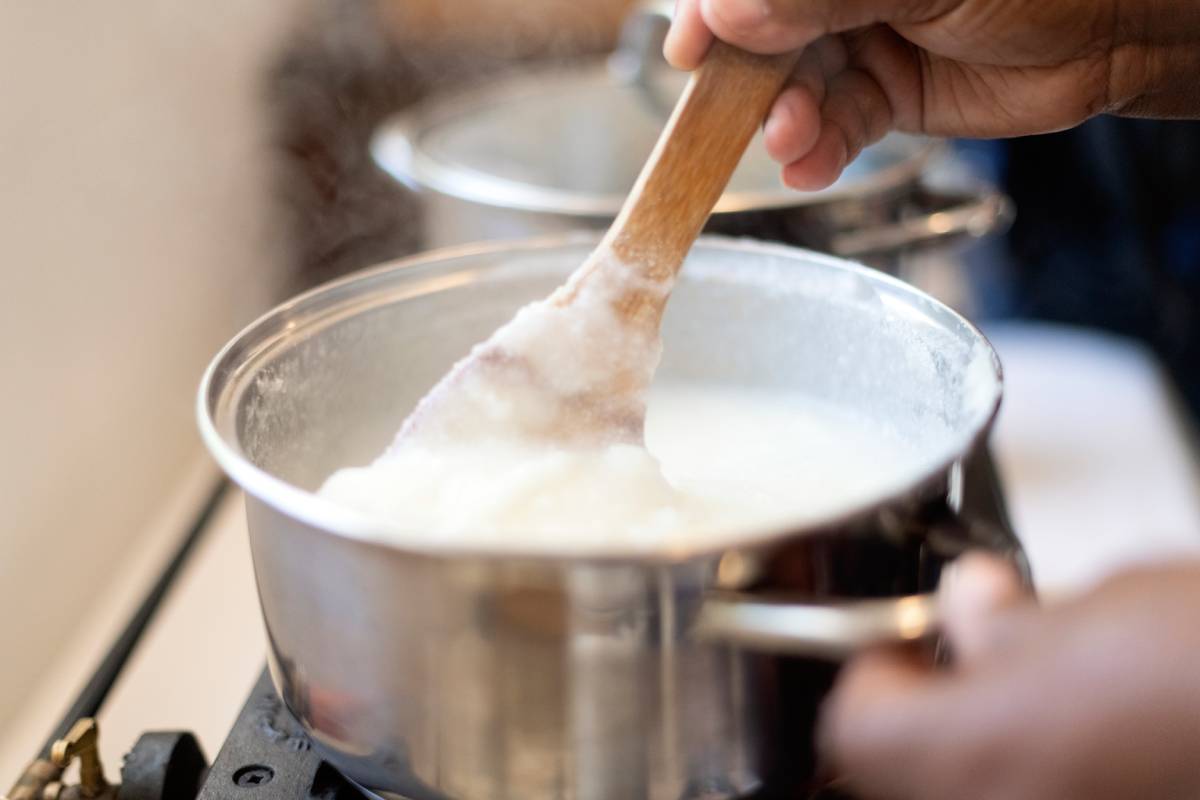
700,147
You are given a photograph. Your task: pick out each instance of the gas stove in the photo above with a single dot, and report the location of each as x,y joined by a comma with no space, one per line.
265,755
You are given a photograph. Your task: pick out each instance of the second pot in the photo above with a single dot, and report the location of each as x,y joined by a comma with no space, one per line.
554,151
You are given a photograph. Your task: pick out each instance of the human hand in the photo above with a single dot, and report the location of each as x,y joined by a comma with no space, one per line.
973,68
1093,699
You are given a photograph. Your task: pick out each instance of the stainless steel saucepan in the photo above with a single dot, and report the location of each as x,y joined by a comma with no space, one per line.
437,671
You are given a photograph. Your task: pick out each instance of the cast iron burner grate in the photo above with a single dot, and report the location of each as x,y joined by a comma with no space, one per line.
268,757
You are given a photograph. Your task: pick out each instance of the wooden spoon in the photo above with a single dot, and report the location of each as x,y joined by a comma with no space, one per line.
574,367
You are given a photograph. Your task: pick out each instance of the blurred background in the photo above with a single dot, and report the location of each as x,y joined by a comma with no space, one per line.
170,170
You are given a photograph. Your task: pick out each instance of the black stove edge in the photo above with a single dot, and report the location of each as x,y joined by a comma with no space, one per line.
91,697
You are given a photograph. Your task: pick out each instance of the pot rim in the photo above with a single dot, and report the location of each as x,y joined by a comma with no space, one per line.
228,369
396,149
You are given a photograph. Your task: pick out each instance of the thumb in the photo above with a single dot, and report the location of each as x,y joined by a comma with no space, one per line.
983,605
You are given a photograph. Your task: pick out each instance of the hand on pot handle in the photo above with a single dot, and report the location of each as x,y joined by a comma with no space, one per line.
949,67
1096,697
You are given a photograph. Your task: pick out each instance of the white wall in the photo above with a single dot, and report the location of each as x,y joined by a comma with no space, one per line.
135,237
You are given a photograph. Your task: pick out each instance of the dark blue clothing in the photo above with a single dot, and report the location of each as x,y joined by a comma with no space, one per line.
1107,235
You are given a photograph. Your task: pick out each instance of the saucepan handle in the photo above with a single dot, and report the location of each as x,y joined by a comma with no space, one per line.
820,630
837,629
933,217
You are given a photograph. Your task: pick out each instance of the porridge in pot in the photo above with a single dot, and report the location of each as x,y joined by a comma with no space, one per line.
717,460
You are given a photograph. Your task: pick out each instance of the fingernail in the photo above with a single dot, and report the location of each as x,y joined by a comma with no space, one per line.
669,40
951,576
774,119
961,586
745,13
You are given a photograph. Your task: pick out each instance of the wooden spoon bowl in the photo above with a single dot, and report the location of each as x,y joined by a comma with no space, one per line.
574,368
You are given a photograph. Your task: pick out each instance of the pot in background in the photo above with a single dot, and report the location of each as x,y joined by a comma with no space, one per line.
428,671
559,150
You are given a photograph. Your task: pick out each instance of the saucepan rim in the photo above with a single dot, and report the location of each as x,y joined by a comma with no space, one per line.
216,415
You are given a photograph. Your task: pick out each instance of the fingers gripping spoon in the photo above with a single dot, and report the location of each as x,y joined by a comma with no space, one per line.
572,369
